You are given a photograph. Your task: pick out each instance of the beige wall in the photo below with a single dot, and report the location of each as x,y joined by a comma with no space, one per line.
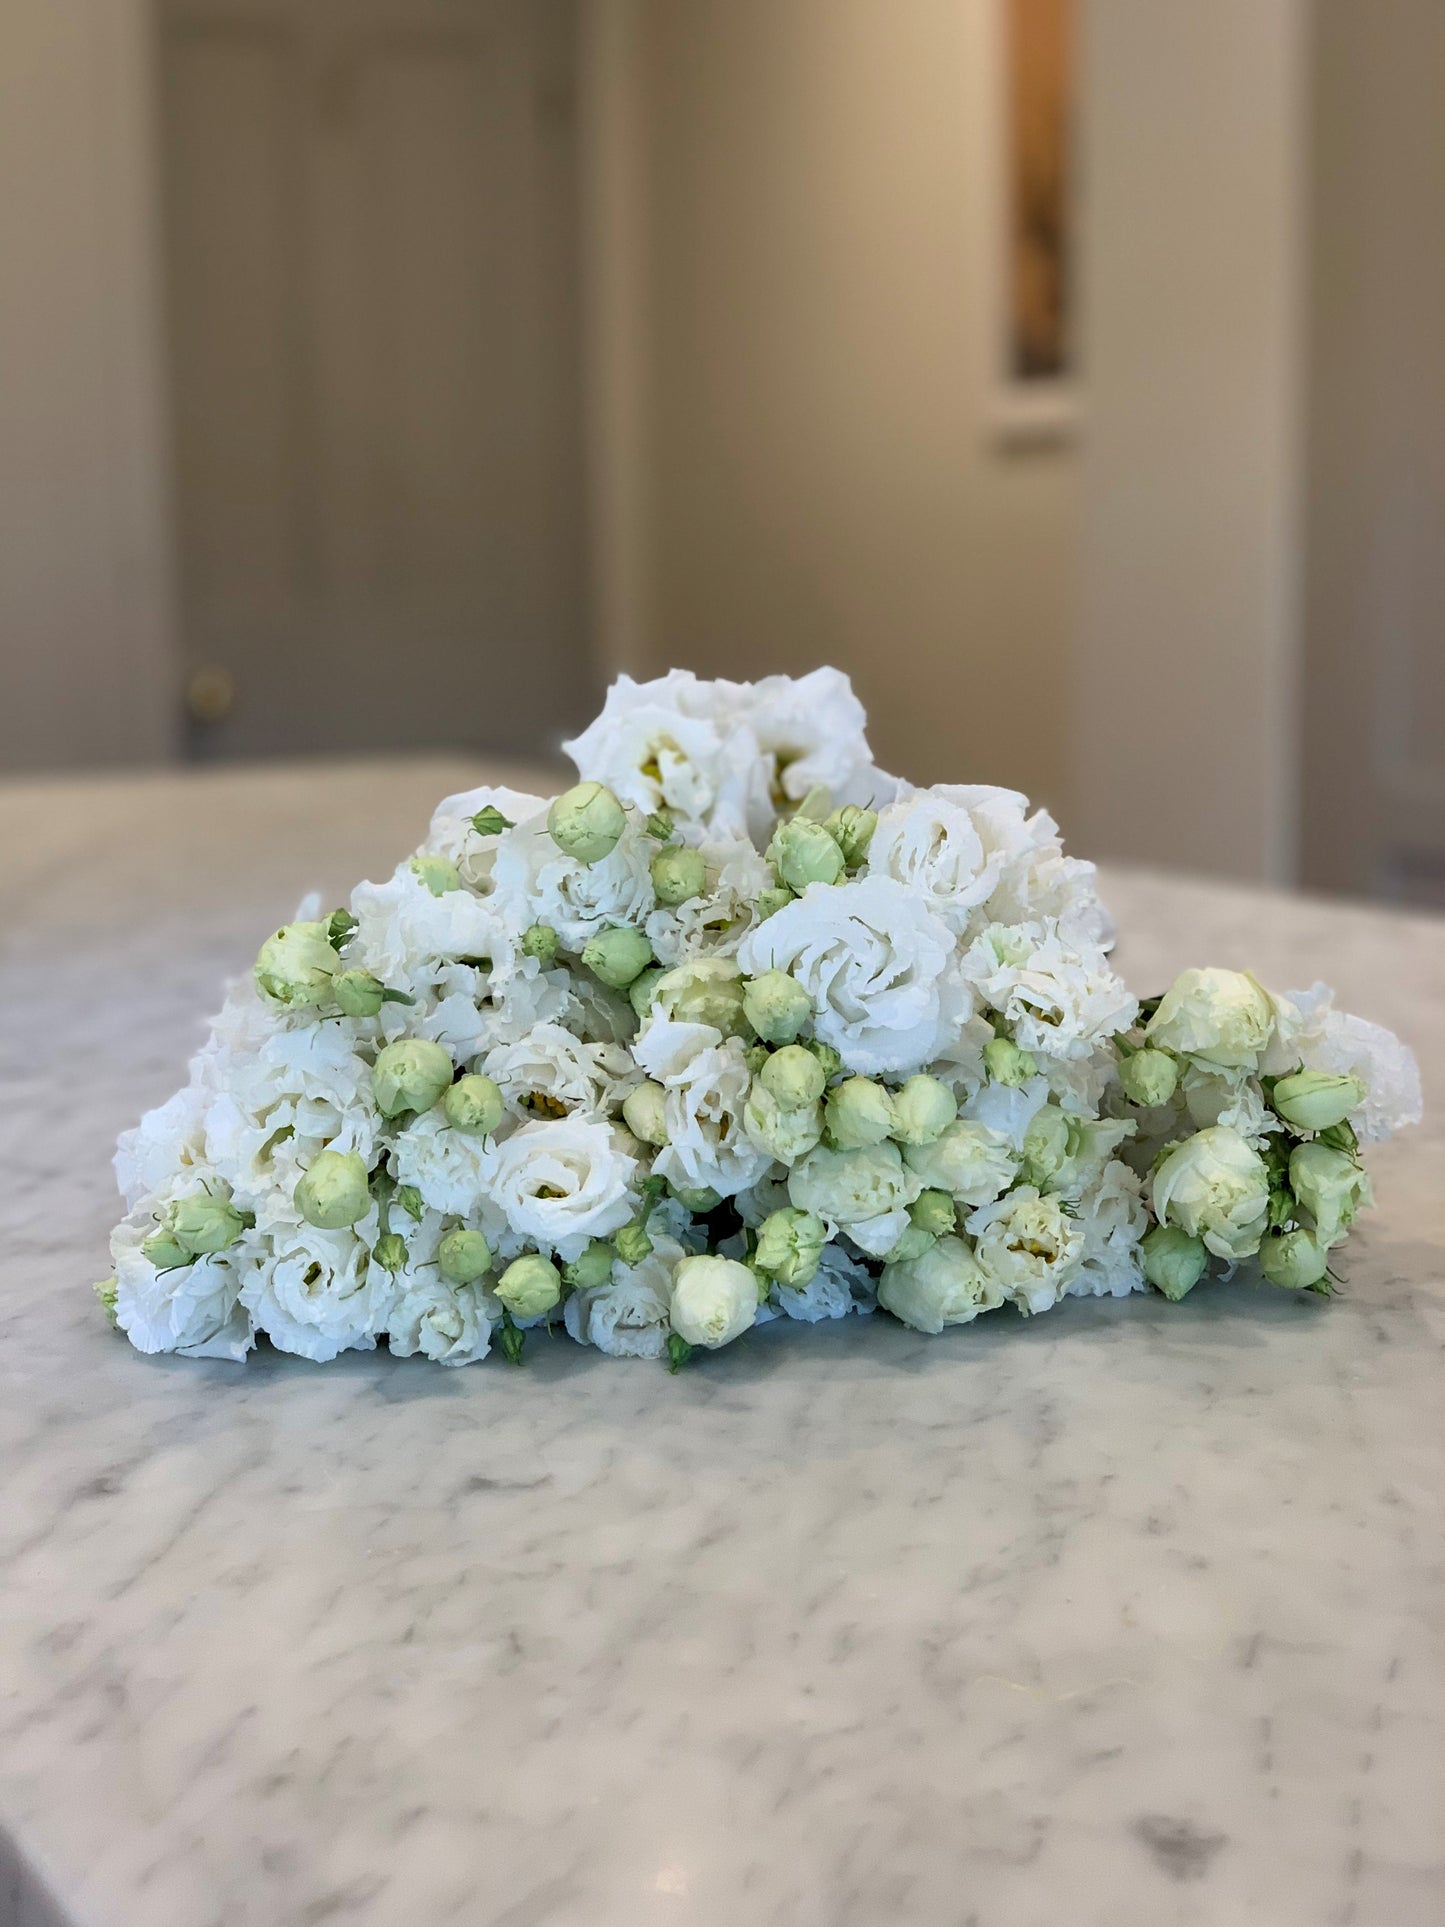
1190,485
85,667
820,485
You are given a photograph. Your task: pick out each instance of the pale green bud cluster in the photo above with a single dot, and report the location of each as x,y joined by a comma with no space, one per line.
1316,1100
592,1269
358,993
1006,1063
473,1105
1330,1186
794,1077
196,1227
333,1190
539,940
463,1256
777,1006
644,1112
1149,1077
530,1286
705,990
586,822
389,1251
851,828
1173,1261
1294,1259
410,1075
790,1244
437,873
677,874
803,852
923,1109
858,1112
295,968
618,955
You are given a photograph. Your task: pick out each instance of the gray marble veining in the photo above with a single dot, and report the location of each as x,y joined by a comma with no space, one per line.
1128,1615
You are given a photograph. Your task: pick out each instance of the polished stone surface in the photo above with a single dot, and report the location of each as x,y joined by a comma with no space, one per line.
1123,1616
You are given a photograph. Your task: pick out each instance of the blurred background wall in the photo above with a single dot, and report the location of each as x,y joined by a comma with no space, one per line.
384,373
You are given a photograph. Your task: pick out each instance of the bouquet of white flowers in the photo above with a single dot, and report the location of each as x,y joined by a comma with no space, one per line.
739,1027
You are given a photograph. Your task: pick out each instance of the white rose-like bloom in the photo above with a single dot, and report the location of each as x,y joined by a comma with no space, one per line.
538,883
674,743
451,834
1114,1217
945,1286
449,1324
305,1078
714,1300
1216,1188
550,1070
168,1140
1222,1018
453,1171
971,1162
875,962
629,1317
1314,1035
1028,1246
1226,1097
714,924
1062,1001
930,844
317,1293
407,937
705,1081
853,1188
564,1182
813,729
192,1309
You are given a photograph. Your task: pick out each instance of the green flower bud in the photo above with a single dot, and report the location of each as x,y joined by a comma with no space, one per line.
530,1286
409,1200
514,1342
593,1269
793,1076
1047,1148
295,967
473,1105
1316,1101
802,853
922,1110
771,900
706,990
333,1192
436,873
678,1351
642,990
463,1256
410,1075
205,1224
786,1132
643,1112
358,993
659,826
165,1251
539,940
755,1056
340,928
389,1251
491,822
587,822
790,1243
859,1111
1006,1063
107,1290
1293,1259
934,1212
1148,1076
1173,1261
617,955
677,874
633,1243
911,1243
697,1198
852,830
831,1062
777,1006
1330,1186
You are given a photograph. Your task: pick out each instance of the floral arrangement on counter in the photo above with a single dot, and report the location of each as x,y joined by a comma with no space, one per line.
738,1028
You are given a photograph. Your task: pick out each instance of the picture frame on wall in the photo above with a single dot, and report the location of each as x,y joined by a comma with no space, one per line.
1033,269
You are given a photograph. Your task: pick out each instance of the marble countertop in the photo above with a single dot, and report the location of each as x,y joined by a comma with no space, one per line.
1126,1616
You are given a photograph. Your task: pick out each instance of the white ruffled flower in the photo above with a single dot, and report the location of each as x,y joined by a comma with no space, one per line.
191,1309
813,731
561,1183
840,1285
971,1162
1311,1033
449,1324
875,962
538,883
408,938
452,1170
930,844
1062,1001
1220,1018
1216,1187
451,834
317,1293
1232,1098
549,1072
865,1190
715,923
168,1140
629,1317
1113,1217
674,743
705,1081
1029,1246
944,1285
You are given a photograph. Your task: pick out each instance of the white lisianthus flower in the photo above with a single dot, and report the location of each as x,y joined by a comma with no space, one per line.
191,1309
1221,1018
306,1079
705,1081
876,963
674,743
1114,1218
549,1072
970,1162
812,729
449,1324
453,1170
168,1140
536,882
630,1316
854,1188
1313,1035
1232,1098
560,1184
840,1285
317,1293
715,923
1215,1187
452,835
930,844
406,936
945,1286
1028,1247
1062,1001
714,1300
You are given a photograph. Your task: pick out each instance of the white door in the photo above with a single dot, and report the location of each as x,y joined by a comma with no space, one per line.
371,242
